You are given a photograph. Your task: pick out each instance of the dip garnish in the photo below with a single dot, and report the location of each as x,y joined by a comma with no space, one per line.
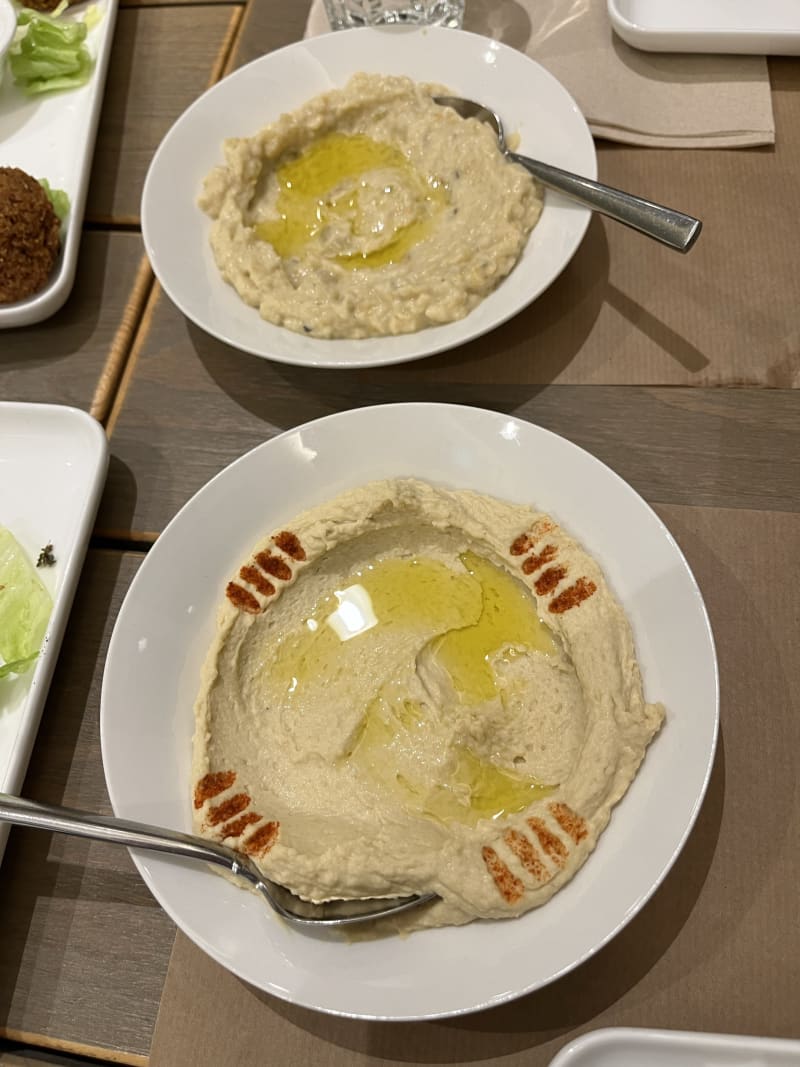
402,593
472,614
359,200
440,695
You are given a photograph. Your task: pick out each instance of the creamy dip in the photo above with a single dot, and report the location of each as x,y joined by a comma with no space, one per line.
368,211
413,689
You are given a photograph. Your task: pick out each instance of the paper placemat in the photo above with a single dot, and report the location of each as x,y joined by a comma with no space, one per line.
643,98
716,947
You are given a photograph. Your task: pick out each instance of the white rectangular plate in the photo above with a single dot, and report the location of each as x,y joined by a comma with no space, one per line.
53,137
769,27
53,463
622,1047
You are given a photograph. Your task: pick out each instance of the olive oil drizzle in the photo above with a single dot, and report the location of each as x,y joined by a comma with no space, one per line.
475,614
507,618
326,183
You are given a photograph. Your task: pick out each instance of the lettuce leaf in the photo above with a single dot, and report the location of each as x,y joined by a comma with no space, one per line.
58,198
25,607
49,53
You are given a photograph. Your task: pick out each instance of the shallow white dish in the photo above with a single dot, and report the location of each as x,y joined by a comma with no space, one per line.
623,1047
53,462
53,137
166,624
528,98
770,27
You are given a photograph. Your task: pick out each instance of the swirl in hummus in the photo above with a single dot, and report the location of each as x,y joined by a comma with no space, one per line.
368,211
413,689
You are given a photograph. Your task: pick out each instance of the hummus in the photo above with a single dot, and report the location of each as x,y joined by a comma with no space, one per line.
368,211
413,689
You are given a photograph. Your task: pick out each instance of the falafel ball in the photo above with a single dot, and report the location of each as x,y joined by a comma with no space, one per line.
41,5
29,235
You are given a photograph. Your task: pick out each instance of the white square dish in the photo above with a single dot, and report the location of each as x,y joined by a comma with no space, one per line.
52,136
624,1047
53,462
771,27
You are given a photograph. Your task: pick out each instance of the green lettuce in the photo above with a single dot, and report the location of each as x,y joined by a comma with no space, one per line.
49,53
58,198
25,607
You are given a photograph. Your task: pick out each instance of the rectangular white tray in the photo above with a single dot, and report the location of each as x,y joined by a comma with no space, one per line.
53,463
53,137
623,1047
757,27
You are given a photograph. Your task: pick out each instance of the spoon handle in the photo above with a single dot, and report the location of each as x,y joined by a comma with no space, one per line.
22,812
671,227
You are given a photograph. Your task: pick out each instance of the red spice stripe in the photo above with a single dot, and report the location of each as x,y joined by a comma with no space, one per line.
572,597
238,826
526,854
242,599
569,821
520,545
549,579
262,839
275,566
211,785
508,885
254,576
535,563
227,809
289,543
550,842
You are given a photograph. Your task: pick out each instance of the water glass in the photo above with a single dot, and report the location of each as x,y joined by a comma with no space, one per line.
346,14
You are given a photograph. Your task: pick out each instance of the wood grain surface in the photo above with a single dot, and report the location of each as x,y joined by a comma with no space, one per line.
266,27
84,946
120,348
152,78
22,1050
624,355
192,405
17,1054
61,360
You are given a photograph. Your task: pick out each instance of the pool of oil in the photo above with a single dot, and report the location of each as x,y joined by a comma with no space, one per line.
424,594
472,615
466,789
326,184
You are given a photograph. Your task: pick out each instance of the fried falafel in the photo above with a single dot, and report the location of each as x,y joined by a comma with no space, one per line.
41,5
29,235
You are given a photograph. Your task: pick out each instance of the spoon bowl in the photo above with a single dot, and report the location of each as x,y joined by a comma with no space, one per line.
670,227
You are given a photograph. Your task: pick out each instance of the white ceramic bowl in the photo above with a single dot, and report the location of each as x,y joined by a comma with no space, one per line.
167,621
529,99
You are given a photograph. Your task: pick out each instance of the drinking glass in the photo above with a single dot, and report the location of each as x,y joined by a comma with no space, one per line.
345,14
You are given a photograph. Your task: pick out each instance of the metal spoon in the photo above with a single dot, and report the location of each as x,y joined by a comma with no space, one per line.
671,227
186,846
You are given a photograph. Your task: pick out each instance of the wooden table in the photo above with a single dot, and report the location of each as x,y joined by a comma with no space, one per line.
619,356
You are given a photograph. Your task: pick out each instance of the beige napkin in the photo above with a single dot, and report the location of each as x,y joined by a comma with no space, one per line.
661,100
